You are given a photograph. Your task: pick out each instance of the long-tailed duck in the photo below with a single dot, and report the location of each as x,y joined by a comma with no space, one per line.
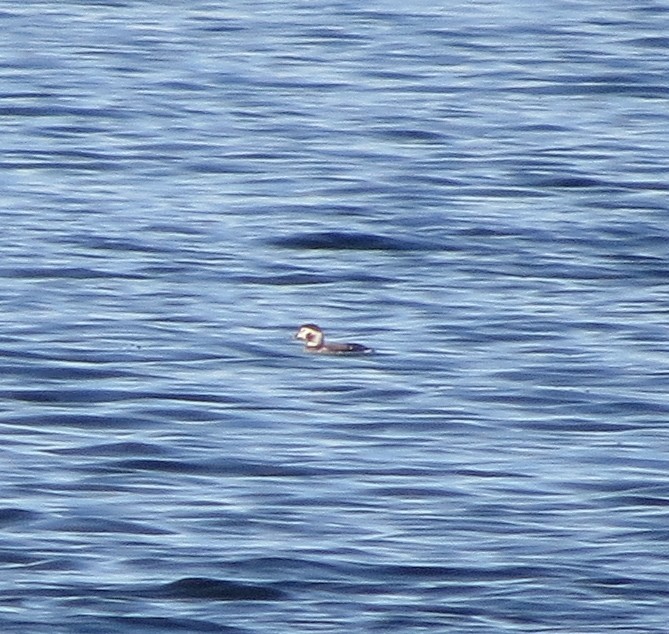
314,341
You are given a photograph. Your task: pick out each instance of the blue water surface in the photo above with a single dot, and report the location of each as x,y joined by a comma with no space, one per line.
477,190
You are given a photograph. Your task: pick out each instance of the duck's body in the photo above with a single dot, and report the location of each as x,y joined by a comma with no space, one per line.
314,342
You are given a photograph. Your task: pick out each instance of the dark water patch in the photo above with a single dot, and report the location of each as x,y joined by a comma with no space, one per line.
543,270
381,395
175,229
243,403
580,425
311,279
642,501
650,535
460,574
317,34
100,525
474,230
128,245
82,421
224,167
155,465
50,165
505,191
9,516
393,75
575,86
409,135
339,240
75,273
300,84
83,155
405,617
154,624
180,85
412,492
207,589
165,269
565,181
295,568
289,279
63,372
363,15
487,473
634,483
652,42
628,587
433,181
62,396
113,449
176,414
544,379
230,466
51,111
227,467
636,407
16,557
217,25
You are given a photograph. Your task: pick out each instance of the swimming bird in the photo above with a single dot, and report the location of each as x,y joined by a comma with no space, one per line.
314,341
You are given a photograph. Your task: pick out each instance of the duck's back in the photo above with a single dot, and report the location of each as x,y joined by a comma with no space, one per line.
345,348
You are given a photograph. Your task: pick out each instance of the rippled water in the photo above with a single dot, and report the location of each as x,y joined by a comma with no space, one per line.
478,190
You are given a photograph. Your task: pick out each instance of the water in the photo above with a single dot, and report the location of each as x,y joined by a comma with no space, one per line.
477,190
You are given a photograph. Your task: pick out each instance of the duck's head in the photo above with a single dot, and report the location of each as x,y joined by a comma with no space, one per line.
311,334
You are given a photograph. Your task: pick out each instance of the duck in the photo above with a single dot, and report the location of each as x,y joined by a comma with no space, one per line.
314,342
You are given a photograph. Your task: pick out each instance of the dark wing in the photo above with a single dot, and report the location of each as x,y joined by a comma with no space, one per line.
350,348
